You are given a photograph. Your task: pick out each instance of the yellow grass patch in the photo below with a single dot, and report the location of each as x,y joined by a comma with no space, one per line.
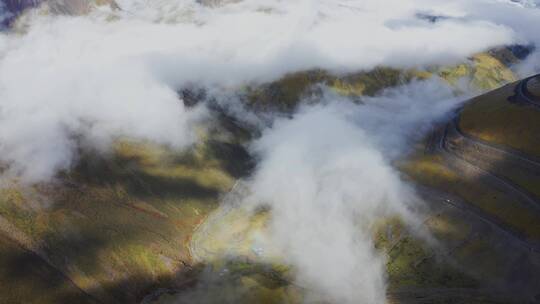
491,117
431,170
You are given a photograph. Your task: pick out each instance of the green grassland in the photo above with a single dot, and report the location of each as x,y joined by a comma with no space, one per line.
491,117
26,278
414,262
495,119
433,171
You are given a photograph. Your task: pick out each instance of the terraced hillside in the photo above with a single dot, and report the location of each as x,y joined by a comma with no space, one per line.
479,257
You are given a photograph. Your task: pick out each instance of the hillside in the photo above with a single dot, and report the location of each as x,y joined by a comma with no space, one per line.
269,151
144,223
482,72
115,227
484,161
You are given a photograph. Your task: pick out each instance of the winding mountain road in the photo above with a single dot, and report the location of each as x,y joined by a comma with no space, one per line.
524,95
484,157
465,206
470,155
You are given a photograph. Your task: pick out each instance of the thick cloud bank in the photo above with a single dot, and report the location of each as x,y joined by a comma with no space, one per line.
114,72
60,86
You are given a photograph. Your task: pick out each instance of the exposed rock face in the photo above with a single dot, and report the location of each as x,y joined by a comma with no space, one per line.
68,7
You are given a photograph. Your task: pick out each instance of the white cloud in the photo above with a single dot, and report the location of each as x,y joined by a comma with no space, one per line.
320,174
98,78
326,176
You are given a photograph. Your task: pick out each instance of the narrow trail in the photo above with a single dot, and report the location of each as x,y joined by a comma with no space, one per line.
457,202
502,152
523,95
198,251
482,158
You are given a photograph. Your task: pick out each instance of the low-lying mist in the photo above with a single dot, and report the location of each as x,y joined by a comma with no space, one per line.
326,183
326,175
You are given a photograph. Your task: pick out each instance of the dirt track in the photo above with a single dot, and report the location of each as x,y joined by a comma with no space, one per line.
473,157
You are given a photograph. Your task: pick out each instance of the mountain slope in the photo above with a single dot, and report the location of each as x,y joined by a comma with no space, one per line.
119,228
